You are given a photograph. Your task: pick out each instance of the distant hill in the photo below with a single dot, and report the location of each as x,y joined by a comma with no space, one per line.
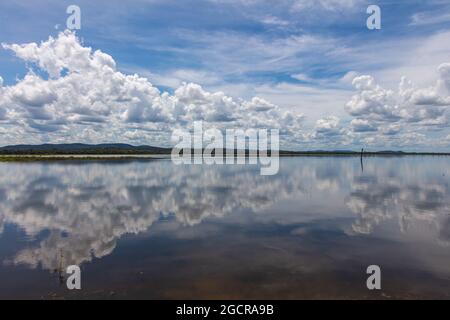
80,148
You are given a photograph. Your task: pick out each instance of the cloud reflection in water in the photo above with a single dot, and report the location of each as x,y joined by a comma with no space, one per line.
84,209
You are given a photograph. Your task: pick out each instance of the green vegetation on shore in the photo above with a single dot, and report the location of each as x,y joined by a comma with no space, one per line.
50,158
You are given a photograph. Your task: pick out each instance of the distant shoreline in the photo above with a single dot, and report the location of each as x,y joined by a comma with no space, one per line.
120,151
78,157
144,157
123,148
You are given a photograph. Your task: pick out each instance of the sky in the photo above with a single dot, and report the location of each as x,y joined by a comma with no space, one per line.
137,70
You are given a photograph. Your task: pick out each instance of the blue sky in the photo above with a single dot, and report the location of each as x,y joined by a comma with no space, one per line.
299,55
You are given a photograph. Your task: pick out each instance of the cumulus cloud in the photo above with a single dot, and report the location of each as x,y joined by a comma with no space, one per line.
84,92
327,125
328,132
372,100
402,116
361,125
386,118
421,105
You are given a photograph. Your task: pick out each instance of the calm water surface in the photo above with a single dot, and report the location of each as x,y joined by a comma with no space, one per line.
152,230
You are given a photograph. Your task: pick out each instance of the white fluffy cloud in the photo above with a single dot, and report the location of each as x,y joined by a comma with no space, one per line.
426,106
85,97
402,117
384,118
361,125
328,126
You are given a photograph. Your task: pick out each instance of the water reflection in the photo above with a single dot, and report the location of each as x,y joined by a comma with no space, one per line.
403,194
374,201
75,212
87,208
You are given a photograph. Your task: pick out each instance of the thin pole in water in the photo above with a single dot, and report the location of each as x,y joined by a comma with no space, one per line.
362,164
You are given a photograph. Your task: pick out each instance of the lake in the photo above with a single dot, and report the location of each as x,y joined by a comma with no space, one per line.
148,229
